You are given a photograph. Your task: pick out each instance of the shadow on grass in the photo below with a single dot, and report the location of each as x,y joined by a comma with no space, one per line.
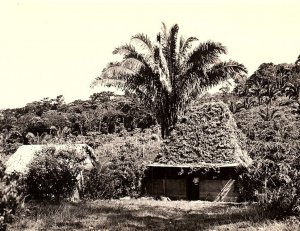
164,218
106,215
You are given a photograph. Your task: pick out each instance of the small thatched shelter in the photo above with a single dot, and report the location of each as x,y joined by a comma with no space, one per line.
19,162
201,157
25,154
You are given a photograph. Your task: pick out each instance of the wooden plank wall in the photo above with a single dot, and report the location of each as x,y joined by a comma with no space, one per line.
209,190
173,188
176,188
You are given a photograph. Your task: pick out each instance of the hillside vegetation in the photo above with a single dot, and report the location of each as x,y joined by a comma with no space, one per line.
163,116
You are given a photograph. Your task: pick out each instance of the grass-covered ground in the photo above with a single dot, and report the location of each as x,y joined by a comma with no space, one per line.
148,215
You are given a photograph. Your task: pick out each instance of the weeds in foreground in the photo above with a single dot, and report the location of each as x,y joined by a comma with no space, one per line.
149,215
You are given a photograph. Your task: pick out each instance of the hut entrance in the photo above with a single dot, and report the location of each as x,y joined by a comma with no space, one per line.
193,188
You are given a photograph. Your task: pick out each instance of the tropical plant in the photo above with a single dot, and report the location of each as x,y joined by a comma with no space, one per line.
269,114
235,107
118,176
256,89
241,89
271,92
292,87
37,139
167,75
247,103
9,199
273,178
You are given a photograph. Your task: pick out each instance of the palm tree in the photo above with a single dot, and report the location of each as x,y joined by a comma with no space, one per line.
247,103
167,75
256,89
271,92
292,87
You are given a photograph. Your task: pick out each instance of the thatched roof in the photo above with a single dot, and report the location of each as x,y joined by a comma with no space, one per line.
25,154
206,136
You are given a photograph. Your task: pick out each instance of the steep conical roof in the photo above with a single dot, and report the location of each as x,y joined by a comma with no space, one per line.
206,136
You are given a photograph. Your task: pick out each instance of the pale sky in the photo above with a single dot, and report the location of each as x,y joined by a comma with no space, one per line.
54,47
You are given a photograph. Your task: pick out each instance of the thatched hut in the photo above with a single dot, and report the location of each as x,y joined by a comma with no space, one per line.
20,161
201,158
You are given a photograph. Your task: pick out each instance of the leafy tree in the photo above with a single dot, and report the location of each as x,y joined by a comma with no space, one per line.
37,125
102,97
292,87
56,118
168,74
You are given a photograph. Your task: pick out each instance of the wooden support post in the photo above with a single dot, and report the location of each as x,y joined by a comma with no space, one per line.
152,180
164,183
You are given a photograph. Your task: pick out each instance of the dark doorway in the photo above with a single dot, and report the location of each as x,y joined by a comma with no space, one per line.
193,188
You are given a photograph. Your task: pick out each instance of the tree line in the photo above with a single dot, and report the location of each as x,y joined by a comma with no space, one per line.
51,120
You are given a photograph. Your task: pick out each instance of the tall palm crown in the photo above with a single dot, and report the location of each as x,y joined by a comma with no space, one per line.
168,74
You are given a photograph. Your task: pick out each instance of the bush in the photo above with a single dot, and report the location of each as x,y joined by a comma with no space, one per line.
9,199
2,169
52,174
119,176
274,180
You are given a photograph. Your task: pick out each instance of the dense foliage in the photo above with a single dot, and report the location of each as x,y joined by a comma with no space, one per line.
161,80
9,199
168,74
274,179
52,174
53,121
118,176
266,109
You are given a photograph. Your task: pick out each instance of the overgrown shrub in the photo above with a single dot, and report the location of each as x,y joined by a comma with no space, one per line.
9,199
10,148
2,169
52,174
274,179
118,176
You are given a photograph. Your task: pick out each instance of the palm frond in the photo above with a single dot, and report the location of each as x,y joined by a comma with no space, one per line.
96,82
181,42
298,60
163,70
143,40
133,64
227,69
164,35
203,79
187,45
194,83
117,72
113,75
125,49
207,53
173,51
129,51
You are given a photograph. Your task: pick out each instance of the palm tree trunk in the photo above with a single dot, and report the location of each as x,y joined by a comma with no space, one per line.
167,123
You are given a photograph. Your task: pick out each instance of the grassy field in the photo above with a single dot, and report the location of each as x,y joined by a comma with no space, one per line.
148,214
